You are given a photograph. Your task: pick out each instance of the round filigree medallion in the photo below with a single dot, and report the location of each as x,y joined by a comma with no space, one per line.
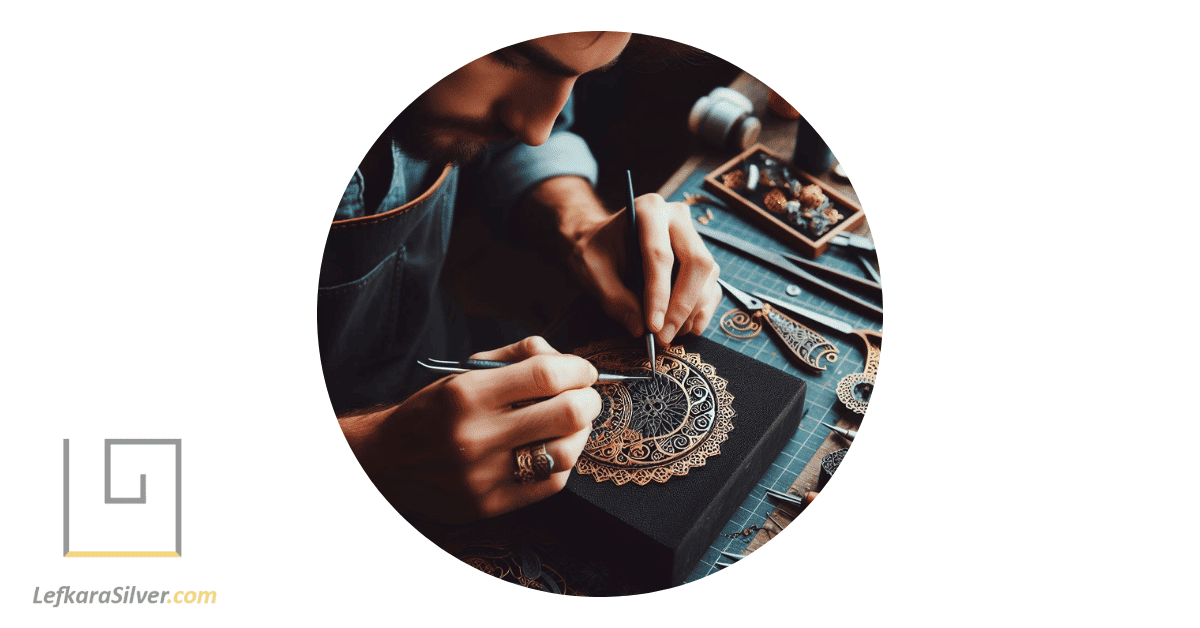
656,428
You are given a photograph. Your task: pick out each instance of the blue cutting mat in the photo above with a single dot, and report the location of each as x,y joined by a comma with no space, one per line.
821,400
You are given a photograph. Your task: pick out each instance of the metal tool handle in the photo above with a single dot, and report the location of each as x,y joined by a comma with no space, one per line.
484,364
807,345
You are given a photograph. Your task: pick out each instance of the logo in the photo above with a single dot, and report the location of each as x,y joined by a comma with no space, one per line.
148,525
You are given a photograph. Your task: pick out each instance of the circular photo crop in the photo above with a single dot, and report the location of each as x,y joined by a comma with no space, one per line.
599,314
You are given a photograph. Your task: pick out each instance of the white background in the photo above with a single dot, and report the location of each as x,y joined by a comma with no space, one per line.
168,179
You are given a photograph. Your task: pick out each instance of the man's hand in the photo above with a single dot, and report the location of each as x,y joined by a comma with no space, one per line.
667,236
565,210
446,453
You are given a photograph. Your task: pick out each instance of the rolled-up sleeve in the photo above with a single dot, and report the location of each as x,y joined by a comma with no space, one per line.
521,167
508,172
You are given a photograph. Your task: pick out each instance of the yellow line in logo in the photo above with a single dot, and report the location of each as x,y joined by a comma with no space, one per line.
122,554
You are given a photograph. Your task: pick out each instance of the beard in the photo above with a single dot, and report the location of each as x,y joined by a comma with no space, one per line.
426,136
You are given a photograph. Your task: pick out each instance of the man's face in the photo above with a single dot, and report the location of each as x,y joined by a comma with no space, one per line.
513,93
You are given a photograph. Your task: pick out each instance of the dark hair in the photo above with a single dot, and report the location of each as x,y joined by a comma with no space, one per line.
647,53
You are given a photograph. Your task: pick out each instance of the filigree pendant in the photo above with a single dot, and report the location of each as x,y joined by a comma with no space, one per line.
657,428
854,390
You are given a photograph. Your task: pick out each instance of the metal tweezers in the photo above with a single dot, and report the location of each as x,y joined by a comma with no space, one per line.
451,366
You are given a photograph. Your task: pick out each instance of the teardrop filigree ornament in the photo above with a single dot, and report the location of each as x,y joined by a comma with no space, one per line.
738,324
804,343
657,428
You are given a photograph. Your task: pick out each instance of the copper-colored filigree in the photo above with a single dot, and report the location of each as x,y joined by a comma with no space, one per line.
517,564
738,324
854,390
524,458
657,428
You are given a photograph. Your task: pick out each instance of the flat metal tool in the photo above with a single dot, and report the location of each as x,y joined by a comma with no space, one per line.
450,366
867,266
773,258
805,344
637,272
853,241
853,281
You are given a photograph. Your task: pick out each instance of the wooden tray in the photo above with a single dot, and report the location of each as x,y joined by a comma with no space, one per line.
852,212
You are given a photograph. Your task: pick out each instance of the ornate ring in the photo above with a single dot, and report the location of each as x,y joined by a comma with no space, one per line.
524,470
543,462
533,463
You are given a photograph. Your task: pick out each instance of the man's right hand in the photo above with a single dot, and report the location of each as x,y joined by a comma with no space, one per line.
446,453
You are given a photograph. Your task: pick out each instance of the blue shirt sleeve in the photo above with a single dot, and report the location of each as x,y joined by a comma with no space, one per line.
514,169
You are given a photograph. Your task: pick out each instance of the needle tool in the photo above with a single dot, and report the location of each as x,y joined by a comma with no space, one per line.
637,272
847,433
449,366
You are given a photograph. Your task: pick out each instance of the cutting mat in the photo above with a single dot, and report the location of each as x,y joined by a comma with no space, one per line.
821,402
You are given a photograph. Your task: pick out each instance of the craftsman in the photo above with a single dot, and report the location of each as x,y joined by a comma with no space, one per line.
492,132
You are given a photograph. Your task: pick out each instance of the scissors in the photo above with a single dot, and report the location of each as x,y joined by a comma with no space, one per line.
806,345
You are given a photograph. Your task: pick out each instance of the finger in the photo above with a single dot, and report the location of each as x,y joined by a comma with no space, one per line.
654,230
709,305
568,413
531,378
510,495
517,351
696,269
619,302
566,451
499,470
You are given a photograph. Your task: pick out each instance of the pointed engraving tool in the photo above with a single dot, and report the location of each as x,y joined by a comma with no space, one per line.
847,433
805,344
450,366
636,271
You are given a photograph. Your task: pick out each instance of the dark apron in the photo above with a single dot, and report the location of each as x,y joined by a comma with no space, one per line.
379,308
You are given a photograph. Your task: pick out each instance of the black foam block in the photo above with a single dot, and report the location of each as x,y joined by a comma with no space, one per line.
652,536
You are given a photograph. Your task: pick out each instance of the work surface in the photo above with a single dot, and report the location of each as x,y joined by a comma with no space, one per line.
822,400
749,275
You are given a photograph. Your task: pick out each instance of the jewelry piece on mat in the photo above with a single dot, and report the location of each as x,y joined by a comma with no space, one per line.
657,428
829,466
743,533
543,463
738,324
854,390
524,458
806,345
